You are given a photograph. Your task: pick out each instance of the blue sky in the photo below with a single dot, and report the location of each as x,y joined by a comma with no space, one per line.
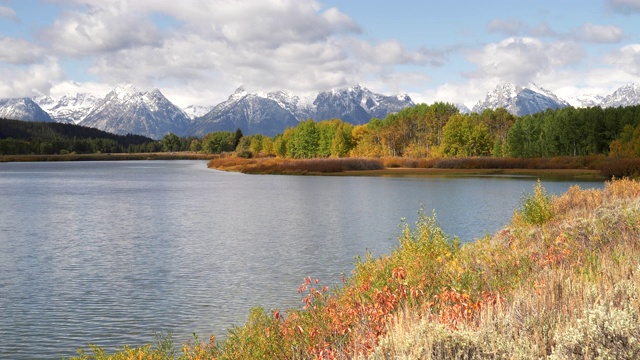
199,52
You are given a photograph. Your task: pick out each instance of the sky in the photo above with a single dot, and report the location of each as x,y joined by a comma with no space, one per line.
197,52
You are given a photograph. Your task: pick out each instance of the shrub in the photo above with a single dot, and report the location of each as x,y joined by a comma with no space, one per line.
244,153
536,209
620,167
601,333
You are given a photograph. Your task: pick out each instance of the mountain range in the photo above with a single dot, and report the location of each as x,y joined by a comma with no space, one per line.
127,110
520,100
23,109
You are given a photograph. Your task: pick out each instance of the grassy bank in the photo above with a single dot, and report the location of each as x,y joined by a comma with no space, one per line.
594,167
271,165
562,280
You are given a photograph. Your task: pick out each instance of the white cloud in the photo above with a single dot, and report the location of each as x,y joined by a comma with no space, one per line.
265,45
600,33
100,30
626,58
8,13
520,60
467,93
37,79
69,87
18,51
241,41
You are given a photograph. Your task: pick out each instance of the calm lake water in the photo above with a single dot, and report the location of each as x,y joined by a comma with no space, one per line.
111,252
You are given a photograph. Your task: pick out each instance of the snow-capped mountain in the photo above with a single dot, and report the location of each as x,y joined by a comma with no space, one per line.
520,100
71,108
194,111
293,103
251,113
464,109
585,101
626,95
356,105
126,110
270,114
23,109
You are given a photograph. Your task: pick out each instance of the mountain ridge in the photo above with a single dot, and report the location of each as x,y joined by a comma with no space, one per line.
126,109
520,100
24,109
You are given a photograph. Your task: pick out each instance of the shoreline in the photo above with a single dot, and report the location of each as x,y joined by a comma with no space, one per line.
582,174
378,168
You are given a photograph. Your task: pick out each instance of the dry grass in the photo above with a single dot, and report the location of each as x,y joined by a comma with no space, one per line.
272,165
294,167
620,167
566,162
578,296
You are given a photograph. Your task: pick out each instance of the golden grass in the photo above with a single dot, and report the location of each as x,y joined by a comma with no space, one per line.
272,165
583,167
579,298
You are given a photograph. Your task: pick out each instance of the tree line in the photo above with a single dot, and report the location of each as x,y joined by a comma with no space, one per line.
440,130
436,130
26,137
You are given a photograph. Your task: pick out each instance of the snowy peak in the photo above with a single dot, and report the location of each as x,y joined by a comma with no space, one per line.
585,101
239,93
251,113
194,111
357,105
520,100
273,112
127,110
627,95
71,108
464,109
23,109
124,93
286,100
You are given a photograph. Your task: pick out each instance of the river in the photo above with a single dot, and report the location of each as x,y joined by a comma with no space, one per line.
111,252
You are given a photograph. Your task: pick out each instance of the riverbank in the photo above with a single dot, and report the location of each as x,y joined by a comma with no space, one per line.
568,168
562,280
580,168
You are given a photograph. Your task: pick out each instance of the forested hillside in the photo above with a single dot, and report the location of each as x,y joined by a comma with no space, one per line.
25,137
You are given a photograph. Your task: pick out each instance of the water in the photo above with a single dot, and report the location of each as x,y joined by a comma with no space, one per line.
111,252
